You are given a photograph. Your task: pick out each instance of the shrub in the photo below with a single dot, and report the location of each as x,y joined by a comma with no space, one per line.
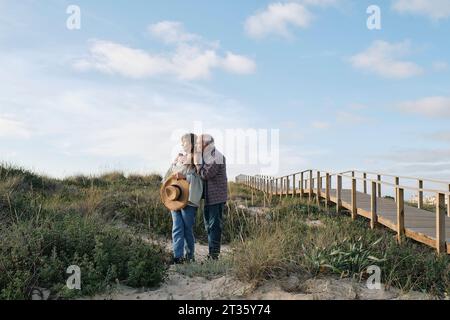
37,255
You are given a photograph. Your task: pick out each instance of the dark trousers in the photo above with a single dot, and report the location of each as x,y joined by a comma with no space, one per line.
213,217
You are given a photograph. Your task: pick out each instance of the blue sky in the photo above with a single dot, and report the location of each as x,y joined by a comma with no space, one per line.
113,94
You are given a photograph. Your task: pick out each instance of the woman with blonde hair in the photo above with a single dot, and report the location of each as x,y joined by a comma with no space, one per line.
183,220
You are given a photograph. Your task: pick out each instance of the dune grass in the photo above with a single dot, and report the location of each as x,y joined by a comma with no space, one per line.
286,242
47,225
96,221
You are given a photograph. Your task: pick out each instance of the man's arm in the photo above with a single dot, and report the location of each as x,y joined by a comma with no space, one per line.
208,171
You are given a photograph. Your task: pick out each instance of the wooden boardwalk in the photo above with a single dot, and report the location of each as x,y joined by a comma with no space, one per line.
430,228
417,221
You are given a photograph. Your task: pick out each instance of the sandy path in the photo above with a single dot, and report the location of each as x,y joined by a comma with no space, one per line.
182,287
179,286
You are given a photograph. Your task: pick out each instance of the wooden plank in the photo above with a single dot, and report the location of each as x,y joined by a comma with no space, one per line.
318,188
339,193
365,182
420,237
287,186
293,186
301,185
440,223
379,185
448,202
310,184
327,190
400,214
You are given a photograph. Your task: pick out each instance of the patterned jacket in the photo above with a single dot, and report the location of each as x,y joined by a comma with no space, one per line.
214,173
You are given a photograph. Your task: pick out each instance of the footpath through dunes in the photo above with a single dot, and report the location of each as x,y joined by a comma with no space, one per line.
215,280
430,228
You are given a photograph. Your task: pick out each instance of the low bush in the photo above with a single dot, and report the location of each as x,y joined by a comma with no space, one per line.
38,255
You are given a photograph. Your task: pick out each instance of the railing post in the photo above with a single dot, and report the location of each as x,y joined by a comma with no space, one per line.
310,184
354,206
339,193
373,206
281,187
287,186
365,182
327,190
319,187
400,214
379,185
301,185
448,202
293,186
440,223
420,195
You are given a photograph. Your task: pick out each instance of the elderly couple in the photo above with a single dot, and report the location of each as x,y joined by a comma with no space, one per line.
204,168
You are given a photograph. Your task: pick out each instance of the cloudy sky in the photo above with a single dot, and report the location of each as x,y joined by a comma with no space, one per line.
117,93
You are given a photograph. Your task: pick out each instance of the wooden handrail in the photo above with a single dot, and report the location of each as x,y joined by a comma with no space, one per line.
311,183
403,177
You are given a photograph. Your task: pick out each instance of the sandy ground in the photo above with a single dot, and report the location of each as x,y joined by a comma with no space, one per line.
178,286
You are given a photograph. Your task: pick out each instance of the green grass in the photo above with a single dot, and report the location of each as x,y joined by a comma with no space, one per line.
285,243
49,224
95,221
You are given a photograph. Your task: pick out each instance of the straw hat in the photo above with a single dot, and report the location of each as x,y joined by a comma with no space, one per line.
175,194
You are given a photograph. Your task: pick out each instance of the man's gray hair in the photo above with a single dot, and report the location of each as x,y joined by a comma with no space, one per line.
207,139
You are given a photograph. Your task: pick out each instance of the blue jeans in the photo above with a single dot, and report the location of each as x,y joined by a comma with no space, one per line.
214,225
183,232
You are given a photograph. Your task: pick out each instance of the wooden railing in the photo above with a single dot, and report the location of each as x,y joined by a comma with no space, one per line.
311,183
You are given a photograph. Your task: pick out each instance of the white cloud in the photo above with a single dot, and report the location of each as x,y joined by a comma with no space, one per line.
431,106
192,58
383,59
171,32
434,9
277,19
114,58
238,64
321,3
87,126
11,128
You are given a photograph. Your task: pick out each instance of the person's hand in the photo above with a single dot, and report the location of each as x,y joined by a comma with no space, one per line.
179,176
198,158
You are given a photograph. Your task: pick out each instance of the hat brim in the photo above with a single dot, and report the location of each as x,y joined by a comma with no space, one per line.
182,202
